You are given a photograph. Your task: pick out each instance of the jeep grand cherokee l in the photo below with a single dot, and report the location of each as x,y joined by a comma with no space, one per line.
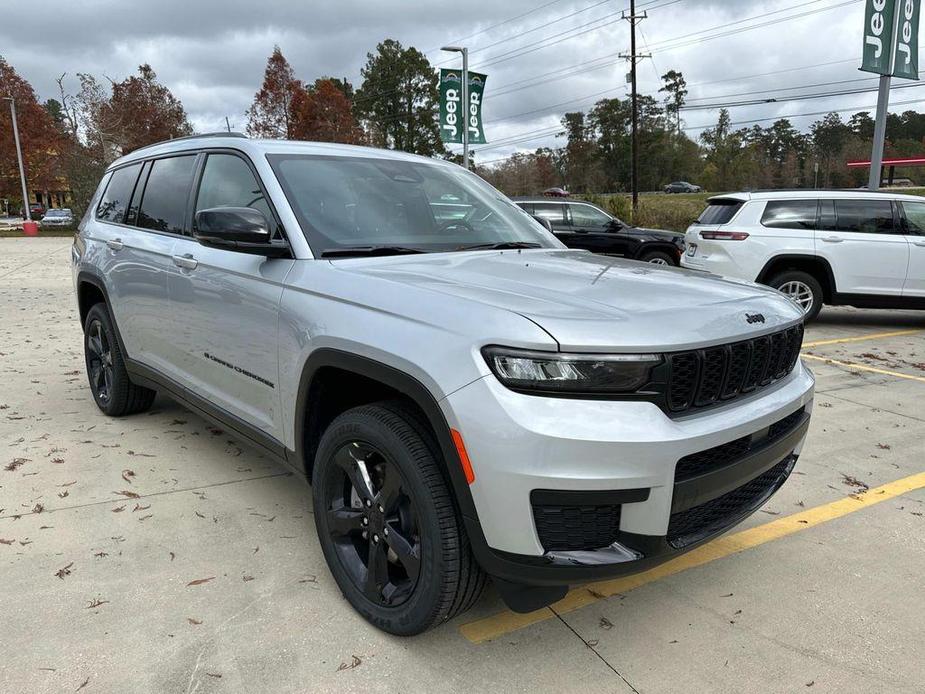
468,397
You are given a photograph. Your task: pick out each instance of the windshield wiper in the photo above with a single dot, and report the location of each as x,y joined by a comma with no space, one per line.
501,246
351,251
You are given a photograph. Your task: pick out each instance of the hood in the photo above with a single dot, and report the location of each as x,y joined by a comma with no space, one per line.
589,302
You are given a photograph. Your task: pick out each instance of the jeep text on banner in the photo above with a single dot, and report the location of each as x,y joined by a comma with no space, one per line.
452,114
476,91
907,40
878,37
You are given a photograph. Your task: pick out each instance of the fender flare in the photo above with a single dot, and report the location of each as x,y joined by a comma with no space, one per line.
764,275
405,384
87,277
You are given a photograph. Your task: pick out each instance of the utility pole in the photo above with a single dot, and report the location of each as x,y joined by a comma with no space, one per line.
22,171
634,57
465,98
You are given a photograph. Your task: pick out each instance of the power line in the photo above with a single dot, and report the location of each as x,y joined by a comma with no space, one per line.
796,97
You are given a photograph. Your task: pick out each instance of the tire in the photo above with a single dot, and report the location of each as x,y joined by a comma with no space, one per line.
658,258
803,288
113,390
418,543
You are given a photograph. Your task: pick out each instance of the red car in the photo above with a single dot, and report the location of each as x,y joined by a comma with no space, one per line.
556,193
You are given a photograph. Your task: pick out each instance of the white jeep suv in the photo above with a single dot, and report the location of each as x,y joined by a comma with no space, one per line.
856,248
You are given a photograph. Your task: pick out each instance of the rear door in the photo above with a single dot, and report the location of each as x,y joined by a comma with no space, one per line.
226,306
863,242
137,265
914,226
555,213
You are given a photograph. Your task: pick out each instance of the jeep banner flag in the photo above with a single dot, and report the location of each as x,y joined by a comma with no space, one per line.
453,115
878,37
907,40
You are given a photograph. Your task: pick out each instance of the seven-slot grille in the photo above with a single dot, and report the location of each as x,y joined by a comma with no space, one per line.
705,376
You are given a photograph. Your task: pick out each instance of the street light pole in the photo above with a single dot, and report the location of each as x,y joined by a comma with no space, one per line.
465,98
22,171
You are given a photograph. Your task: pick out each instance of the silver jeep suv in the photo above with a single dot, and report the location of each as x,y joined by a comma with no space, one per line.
468,397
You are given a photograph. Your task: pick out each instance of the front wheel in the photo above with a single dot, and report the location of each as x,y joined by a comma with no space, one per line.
803,289
387,524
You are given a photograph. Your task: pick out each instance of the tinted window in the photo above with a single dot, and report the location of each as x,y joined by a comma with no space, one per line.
790,214
914,213
115,200
719,212
554,213
526,207
131,217
227,181
864,216
163,205
587,216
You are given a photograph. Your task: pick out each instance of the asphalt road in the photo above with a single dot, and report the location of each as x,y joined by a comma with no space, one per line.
158,554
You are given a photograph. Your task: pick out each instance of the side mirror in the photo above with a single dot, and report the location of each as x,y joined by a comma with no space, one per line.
241,229
544,222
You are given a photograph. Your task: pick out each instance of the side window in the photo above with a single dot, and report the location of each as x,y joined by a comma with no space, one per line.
827,216
914,213
131,216
227,181
166,194
551,211
790,214
116,198
526,207
864,216
587,216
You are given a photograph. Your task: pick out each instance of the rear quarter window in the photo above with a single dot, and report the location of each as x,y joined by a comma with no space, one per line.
790,214
115,199
719,212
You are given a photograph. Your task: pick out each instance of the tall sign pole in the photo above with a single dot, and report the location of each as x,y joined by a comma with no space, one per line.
22,171
891,29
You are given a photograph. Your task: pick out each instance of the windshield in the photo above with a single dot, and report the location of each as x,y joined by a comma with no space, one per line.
354,202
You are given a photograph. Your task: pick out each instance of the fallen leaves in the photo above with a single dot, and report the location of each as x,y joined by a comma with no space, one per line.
64,571
83,684
96,602
200,581
854,482
194,622
58,461
38,508
118,509
356,661
15,463
6,542
129,494
127,475
605,623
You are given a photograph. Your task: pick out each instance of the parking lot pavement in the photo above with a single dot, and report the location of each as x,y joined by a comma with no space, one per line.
157,553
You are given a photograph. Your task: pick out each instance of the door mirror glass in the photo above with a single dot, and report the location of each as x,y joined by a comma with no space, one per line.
242,229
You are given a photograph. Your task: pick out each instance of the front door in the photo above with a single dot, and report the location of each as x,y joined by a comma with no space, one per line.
597,231
226,306
863,242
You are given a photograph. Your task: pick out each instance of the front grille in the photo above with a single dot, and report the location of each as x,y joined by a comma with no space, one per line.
696,523
564,528
702,377
720,456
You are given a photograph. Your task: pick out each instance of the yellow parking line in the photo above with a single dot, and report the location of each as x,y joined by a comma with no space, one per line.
500,624
863,367
861,338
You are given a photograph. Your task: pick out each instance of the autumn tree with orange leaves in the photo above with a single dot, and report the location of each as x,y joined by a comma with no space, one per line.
323,113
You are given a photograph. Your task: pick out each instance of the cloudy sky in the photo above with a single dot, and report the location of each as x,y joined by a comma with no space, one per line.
543,57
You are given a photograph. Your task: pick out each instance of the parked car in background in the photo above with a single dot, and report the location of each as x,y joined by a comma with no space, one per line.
856,248
36,210
58,217
682,187
469,398
580,224
556,193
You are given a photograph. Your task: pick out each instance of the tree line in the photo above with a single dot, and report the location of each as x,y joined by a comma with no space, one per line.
595,157
70,139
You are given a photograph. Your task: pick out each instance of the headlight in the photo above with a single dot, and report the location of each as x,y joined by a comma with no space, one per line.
570,373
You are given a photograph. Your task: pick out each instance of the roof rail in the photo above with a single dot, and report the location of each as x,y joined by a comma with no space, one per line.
220,133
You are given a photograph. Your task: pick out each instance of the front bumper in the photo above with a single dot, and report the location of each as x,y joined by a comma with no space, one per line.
525,450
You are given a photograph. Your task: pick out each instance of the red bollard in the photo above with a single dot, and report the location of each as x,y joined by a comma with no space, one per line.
30,228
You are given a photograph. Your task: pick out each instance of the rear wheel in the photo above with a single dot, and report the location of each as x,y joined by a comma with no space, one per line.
112,389
387,524
657,258
802,288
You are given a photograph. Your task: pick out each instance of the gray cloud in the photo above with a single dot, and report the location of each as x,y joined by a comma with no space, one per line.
212,53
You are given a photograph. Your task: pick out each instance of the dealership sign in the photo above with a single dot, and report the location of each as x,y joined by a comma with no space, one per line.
454,115
891,29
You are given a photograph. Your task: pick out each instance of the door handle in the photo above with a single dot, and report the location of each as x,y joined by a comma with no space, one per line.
832,239
187,261
115,244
